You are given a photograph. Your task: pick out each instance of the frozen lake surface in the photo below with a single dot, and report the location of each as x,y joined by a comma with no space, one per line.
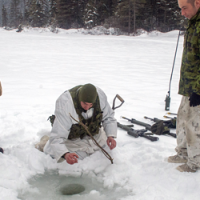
37,66
50,185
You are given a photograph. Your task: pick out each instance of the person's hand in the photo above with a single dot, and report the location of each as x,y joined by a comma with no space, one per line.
71,158
111,143
194,100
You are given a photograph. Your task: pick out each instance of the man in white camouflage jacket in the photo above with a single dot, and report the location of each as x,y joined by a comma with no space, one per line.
69,140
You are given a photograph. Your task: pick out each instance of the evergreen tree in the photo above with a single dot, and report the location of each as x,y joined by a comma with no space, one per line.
90,14
38,13
161,15
129,15
4,16
149,15
53,9
70,13
53,15
168,17
106,9
26,12
15,17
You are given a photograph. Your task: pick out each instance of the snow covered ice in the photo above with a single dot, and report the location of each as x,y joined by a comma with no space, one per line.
36,66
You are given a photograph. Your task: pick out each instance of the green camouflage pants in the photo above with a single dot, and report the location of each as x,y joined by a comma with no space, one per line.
188,133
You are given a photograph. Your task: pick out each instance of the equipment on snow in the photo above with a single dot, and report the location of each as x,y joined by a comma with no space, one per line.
157,128
137,133
161,127
168,99
169,123
169,113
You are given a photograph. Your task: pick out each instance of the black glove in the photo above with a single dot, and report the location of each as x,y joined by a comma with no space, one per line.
194,100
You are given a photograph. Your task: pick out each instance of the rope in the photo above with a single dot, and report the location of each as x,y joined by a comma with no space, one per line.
103,150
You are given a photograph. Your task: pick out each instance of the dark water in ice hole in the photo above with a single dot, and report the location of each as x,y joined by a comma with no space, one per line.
49,186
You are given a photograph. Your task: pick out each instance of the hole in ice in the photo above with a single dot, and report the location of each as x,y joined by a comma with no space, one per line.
52,186
72,189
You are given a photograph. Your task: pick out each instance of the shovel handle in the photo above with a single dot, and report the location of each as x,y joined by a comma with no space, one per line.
120,98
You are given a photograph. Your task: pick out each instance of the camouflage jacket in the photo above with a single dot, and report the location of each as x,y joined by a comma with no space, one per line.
93,123
59,141
190,69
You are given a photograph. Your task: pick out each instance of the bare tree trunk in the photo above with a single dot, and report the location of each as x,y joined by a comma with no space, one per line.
134,15
24,10
94,18
129,18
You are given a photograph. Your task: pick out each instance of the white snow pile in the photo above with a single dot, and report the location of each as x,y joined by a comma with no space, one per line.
98,30
36,68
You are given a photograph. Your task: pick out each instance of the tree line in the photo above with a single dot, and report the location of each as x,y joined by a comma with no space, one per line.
127,15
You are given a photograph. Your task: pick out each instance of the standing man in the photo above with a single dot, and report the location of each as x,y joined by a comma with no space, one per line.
1,150
188,119
68,139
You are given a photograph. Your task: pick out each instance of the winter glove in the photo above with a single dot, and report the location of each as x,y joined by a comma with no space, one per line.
194,100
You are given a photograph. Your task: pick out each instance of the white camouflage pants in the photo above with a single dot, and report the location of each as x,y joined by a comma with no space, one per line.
188,133
83,147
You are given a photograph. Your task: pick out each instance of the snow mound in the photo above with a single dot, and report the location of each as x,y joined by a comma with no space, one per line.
168,34
98,30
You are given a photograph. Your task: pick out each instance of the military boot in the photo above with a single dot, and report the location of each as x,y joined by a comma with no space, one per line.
176,159
42,143
185,168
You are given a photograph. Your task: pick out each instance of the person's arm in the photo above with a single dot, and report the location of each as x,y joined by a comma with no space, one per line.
195,96
109,122
61,127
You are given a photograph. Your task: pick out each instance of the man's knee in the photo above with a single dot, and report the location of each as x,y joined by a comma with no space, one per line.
81,154
40,145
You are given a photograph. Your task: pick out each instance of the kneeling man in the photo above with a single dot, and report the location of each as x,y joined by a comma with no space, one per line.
68,139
